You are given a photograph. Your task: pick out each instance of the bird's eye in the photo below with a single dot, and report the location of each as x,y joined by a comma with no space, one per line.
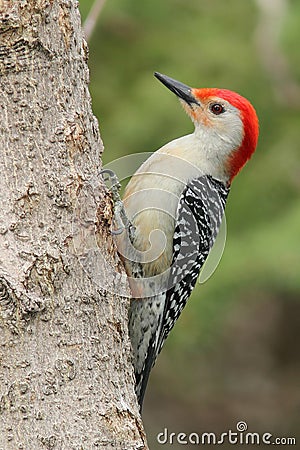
217,108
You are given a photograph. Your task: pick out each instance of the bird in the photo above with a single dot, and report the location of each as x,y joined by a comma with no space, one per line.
172,210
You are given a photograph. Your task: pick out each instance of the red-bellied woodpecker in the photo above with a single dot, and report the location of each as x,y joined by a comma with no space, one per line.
175,204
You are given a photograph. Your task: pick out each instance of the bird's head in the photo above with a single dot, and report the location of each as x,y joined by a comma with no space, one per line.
224,119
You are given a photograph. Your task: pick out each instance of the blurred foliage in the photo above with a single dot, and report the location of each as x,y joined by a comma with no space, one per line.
257,284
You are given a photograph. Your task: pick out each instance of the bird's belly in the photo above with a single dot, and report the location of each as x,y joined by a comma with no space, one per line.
155,242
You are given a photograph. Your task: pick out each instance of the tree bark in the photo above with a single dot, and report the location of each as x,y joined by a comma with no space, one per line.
66,378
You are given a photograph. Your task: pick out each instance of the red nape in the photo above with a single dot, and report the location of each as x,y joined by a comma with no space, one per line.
251,130
251,127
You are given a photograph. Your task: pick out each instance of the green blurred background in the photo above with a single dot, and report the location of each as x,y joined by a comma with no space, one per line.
234,353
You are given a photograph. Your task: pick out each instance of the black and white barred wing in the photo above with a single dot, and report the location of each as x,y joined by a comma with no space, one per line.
199,216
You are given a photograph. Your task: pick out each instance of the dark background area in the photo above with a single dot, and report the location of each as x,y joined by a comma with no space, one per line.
234,353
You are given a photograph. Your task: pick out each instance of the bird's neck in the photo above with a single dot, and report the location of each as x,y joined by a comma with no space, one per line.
204,153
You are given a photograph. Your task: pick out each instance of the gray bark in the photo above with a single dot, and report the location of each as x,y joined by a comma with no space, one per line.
66,378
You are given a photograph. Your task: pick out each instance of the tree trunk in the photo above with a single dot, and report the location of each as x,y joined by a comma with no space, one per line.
66,379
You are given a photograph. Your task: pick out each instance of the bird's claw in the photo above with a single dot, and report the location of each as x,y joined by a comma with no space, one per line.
120,217
115,184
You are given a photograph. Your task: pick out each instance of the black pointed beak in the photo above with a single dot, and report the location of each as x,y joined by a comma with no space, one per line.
181,90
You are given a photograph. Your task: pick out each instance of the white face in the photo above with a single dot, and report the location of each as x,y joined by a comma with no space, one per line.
218,122
219,132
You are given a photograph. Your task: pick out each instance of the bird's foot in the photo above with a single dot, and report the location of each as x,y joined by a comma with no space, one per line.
120,217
